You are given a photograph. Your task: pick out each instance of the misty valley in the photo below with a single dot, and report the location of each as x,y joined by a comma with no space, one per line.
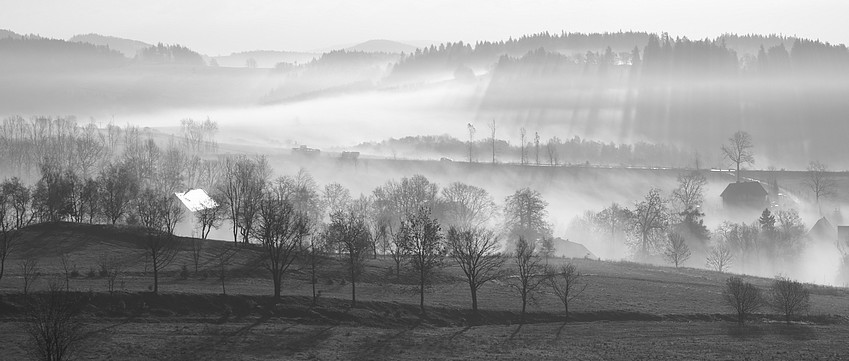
571,195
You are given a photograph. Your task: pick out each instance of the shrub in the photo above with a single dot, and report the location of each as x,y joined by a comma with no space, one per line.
184,272
104,271
53,325
91,273
743,297
789,298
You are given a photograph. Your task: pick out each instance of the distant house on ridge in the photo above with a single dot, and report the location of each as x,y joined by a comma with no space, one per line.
745,196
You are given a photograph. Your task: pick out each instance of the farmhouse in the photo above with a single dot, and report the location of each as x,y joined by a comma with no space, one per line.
823,232
306,151
744,196
569,249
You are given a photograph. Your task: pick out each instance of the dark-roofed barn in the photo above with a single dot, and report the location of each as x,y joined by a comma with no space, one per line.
745,195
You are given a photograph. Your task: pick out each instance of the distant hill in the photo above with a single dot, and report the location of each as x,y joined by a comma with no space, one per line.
44,54
9,34
264,58
382,46
128,47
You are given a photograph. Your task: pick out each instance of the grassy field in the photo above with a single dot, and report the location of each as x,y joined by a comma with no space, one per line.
629,311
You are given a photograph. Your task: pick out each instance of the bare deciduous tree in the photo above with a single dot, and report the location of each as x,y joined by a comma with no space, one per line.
242,188
10,221
649,218
30,272
211,218
118,187
743,297
524,158
422,241
335,198
789,298
689,193
492,138
476,252
315,255
67,268
196,247
739,150
719,257
350,230
525,215
536,146
471,140
553,155
113,268
530,274
397,250
467,205
567,284
676,250
160,248
279,229
223,259
819,182
53,324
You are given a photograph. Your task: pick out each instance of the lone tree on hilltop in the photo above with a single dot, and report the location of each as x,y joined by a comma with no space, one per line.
739,150
676,250
820,184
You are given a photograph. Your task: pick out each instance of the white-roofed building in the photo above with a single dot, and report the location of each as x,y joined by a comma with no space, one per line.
196,200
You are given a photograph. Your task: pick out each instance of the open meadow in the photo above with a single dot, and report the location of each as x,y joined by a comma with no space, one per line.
629,310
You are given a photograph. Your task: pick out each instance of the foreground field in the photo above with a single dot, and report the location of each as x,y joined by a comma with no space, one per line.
629,311
283,339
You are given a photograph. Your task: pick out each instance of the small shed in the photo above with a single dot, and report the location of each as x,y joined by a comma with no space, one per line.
745,195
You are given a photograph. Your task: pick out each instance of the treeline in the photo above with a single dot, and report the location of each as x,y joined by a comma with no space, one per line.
537,150
37,53
27,145
170,54
670,228
446,57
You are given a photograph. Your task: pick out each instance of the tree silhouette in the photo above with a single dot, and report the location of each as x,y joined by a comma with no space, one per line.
739,150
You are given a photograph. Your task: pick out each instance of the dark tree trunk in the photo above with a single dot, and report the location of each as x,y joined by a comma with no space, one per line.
353,287
524,303
155,279
276,279
421,291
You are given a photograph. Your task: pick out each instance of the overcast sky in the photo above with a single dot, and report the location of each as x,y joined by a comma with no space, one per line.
218,27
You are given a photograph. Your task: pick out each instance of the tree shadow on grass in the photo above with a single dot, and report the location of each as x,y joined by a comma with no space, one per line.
560,330
796,332
371,348
745,331
519,328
